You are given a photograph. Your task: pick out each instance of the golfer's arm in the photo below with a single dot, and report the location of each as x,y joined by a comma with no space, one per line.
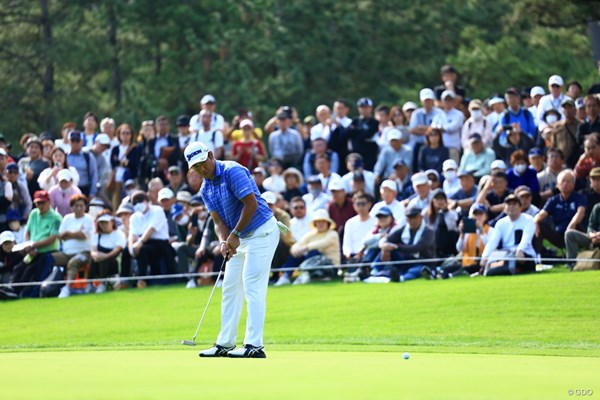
221,230
248,211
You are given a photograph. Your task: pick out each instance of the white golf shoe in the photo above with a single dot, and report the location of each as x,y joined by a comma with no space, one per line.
248,351
216,351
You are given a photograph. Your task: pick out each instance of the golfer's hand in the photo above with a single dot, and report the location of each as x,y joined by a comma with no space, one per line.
233,242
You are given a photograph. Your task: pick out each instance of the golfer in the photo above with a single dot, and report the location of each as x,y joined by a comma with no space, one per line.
249,236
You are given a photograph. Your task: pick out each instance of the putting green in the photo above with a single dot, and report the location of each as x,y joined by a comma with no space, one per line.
155,374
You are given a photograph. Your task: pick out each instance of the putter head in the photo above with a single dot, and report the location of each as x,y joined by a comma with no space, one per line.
188,343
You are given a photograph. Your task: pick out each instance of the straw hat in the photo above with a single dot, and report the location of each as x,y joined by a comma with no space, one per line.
322,215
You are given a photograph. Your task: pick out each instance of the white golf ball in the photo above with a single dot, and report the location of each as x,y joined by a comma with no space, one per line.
406,356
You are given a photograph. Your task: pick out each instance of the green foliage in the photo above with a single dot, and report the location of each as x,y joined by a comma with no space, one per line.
260,54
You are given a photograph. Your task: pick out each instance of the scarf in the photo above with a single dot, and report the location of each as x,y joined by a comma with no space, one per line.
405,237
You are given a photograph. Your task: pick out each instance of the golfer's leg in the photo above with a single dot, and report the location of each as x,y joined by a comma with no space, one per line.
233,300
256,280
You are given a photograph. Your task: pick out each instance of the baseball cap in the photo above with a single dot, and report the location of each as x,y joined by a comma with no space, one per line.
64,175
409,105
259,170
595,172
475,103
522,189
579,103
394,134
449,164
438,192
426,94
567,101
389,184
412,211
246,123
129,182
384,212
165,194
174,168
498,164
399,162
448,93
464,172
182,120
176,210
195,153
364,102
125,208
432,172
555,80
537,91
41,195
7,236
535,152
105,217
208,98
313,179
419,179
13,215
103,139
512,197
184,196
73,135
336,185
34,140
495,100
512,90
98,202
478,207
269,197
475,137
283,115
12,165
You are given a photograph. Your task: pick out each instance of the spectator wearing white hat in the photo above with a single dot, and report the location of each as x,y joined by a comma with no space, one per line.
536,94
423,193
209,103
421,119
451,183
340,207
408,108
477,123
384,168
497,105
389,191
248,150
451,121
205,132
61,193
551,101
8,258
101,145
166,199
107,244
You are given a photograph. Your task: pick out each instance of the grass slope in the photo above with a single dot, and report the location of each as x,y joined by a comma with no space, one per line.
544,314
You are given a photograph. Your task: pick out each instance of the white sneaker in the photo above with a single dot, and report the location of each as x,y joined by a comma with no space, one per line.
191,284
89,288
64,292
303,279
101,288
377,279
283,280
216,351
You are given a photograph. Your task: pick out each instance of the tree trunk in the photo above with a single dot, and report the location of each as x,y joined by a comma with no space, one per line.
116,62
48,78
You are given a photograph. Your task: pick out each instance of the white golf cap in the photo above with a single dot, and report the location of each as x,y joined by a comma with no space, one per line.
195,153
409,105
394,134
336,184
537,91
184,196
103,139
426,94
449,164
105,217
7,236
555,80
448,93
419,179
269,197
208,98
495,100
64,175
165,194
389,184
498,164
3,152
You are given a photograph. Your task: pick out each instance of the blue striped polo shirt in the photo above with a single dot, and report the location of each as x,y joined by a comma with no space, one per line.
223,194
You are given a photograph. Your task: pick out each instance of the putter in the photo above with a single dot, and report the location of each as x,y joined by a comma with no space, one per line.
193,341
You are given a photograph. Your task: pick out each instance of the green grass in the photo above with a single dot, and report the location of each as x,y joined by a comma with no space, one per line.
469,338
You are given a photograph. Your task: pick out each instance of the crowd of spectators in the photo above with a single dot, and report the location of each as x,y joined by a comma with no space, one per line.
454,186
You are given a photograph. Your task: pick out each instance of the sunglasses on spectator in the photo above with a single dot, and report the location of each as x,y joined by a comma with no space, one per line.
360,203
298,207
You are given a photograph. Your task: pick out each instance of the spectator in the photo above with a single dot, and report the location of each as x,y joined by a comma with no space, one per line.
592,194
8,260
509,141
300,222
551,101
592,123
63,142
293,183
259,175
340,209
363,133
166,199
422,196
400,121
476,124
581,114
316,198
433,153
14,222
75,232
125,161
194,182
340,111
182,124
326,175
236,128
195,247
444,222
32,165
494,193
516,115
574,89
319,147
467,194
62,193
176,180
354,165
434,179
477,158
326,125
536,159
420,121
590,158
451,121
149,238
162,151
207,134
107,245
402,179
524,194
449,78
384,167
576,240
536,94
408,108
382,115
286,143
108,127
208,103
322,240
275,182
521,173
84,163
498,107
414,241
48,177
146,134
388,191
357,227
99,148
513,235
248,150
563,133
451,183
90,124
547,178
47,147
567,210
21,199
286,239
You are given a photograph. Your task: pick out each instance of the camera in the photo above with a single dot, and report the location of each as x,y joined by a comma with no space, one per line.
507,128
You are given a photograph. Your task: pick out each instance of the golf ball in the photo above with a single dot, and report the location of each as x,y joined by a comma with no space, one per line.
406,356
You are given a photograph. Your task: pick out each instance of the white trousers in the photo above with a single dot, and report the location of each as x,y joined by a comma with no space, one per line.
247,275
